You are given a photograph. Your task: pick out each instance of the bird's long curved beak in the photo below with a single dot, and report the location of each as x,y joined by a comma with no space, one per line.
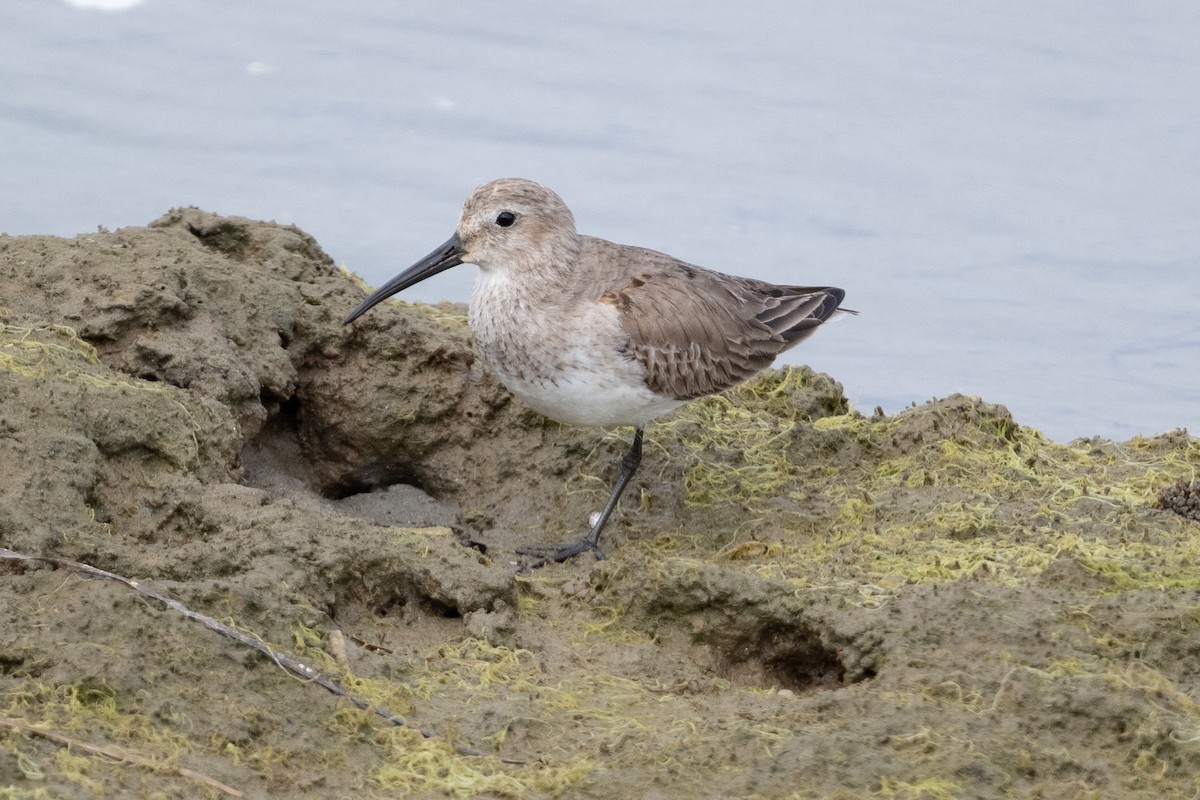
448,255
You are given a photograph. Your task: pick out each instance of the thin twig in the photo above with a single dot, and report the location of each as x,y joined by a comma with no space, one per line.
283,660
118,754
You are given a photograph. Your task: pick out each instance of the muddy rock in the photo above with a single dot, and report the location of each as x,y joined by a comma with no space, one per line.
799,601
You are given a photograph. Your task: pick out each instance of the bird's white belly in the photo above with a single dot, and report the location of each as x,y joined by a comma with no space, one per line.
569,368
581,396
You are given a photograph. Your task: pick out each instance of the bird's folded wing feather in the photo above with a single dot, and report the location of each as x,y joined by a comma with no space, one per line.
698,332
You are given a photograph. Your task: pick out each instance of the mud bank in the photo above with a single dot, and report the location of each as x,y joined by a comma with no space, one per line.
800,601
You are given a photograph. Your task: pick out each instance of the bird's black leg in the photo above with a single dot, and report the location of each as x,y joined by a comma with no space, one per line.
591,542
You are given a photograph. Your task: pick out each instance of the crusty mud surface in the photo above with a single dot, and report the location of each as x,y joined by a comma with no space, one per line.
800,601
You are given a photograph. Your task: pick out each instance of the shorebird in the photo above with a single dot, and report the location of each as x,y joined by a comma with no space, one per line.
588,332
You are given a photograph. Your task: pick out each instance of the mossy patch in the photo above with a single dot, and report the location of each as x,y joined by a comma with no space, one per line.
950,490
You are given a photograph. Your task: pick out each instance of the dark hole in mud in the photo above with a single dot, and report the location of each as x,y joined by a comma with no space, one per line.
276,456
440,609
406,605
284,416
781,657
226,236
372,478
10,663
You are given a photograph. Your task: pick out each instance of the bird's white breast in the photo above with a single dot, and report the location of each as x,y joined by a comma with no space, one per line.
569,367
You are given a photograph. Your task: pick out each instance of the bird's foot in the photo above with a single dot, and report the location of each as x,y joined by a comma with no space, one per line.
558,553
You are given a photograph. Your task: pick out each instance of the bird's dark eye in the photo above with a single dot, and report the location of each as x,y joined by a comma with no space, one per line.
505,219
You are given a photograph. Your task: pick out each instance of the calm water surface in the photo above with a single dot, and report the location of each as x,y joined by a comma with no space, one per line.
1008,191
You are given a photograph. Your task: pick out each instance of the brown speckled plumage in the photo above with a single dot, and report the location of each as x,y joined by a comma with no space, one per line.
697,332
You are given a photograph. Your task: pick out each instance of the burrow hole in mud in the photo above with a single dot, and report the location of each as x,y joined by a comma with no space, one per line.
372,479
226,236
406,604
10,663
781,656
361,596
277,450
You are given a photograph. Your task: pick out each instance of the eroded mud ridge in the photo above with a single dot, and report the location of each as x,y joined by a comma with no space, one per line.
800,601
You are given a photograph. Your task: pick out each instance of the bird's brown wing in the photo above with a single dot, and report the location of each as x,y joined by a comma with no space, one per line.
698,332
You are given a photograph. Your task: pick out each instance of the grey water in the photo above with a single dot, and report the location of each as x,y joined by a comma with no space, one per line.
1008,191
